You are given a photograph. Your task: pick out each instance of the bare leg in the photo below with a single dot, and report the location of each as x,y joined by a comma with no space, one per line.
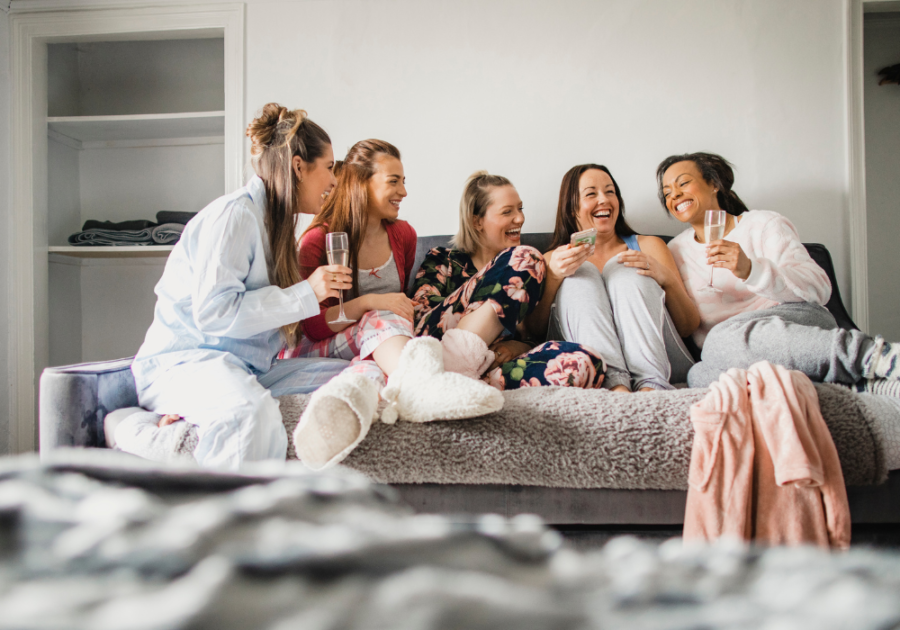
483,322
168,419
387,354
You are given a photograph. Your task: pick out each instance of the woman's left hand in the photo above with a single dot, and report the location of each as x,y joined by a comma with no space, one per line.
729,255
646,266
507,351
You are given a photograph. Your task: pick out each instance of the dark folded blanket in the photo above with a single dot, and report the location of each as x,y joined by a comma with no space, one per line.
136,224
170,216
574,438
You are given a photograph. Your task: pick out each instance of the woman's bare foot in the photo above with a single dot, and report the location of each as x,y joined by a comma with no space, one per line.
620,388
646,389
168,419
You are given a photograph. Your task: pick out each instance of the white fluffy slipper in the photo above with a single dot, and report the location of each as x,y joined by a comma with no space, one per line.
139,434
466,353
336,420
420,390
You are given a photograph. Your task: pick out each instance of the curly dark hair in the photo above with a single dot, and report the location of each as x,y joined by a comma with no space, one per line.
716,171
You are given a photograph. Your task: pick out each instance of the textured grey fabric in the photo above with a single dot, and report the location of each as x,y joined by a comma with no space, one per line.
573,438
798,335
118,543
885,412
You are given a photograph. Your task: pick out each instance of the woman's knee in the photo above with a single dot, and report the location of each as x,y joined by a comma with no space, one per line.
385,320
625,283
585,287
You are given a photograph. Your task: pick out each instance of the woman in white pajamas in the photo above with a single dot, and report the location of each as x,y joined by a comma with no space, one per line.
231,295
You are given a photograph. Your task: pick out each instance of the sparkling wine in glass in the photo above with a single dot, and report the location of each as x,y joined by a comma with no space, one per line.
713,230
337,247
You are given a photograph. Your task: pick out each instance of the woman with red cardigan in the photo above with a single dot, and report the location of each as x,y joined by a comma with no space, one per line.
365,205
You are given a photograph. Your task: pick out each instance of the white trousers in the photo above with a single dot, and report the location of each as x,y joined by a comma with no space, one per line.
237,417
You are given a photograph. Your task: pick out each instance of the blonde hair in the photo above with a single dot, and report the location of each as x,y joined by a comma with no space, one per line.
278,134
475,199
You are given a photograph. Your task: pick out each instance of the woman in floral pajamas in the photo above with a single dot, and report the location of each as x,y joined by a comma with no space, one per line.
475,296
365,205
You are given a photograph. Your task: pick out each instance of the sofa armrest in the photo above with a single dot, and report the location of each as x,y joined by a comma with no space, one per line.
74,400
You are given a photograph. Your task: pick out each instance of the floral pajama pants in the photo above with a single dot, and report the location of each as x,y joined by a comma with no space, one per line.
512,284
356,343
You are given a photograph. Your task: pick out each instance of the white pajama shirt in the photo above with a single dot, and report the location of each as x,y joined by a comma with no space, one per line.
209,354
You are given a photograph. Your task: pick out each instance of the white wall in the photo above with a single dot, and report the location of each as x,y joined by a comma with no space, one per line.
529,89
148,77
882,115
117,303
136,183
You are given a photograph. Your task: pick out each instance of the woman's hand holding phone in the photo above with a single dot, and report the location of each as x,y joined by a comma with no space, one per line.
564,261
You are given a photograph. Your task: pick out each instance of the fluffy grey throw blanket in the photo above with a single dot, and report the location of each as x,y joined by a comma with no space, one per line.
572,438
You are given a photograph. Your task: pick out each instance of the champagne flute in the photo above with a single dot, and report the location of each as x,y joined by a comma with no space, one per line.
713,230
337,247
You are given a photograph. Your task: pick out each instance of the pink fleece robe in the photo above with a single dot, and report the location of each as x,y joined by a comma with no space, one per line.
763,465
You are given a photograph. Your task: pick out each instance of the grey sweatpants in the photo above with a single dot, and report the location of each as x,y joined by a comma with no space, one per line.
622,315
798,335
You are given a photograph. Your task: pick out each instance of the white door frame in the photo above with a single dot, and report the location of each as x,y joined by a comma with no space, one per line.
856,154
27,274
856,165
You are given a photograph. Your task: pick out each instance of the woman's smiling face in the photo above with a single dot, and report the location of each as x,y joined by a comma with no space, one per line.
386,188
598,204
688,196
501,225
316,181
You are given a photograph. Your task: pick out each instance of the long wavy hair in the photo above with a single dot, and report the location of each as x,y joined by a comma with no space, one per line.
716,171
347,207
278,134
570,202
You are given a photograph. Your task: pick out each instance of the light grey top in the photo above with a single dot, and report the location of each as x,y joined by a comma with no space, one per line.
383,279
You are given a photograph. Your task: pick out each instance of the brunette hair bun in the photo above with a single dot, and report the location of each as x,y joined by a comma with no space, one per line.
273,121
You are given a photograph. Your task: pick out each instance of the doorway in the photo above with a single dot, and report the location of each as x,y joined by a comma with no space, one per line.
881,49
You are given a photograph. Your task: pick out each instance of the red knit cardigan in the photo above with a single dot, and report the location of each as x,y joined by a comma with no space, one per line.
402,238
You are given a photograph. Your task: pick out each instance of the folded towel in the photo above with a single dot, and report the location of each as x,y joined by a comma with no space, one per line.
167,233
136,224
169,216
112,237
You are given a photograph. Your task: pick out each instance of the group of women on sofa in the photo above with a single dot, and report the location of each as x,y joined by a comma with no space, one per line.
242,308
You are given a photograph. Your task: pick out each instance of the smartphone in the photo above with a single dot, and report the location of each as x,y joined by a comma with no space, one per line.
588,237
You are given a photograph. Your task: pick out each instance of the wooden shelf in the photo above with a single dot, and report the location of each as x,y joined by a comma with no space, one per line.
118,251
155,127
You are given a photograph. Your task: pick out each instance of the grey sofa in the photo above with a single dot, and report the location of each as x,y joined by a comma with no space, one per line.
75,399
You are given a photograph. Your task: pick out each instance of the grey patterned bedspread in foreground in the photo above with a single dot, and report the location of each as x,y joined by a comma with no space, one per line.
167,548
